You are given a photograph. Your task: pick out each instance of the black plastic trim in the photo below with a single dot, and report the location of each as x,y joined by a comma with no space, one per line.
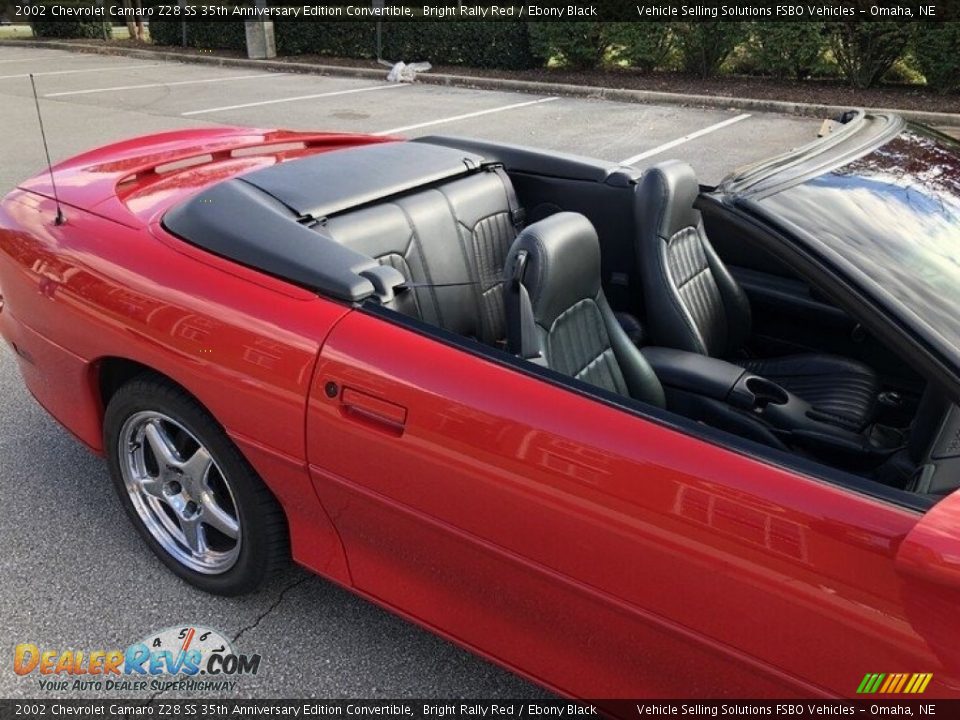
236,221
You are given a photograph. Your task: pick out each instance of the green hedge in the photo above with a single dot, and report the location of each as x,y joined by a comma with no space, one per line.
475,44
865,51
644,46
206,35
48,28
336,39
579,45
503,45
587,45
704,45
787,49
936,48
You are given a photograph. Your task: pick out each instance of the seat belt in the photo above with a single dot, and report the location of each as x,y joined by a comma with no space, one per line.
518,215
521,325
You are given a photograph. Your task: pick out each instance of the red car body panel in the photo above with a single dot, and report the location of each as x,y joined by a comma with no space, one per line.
599,552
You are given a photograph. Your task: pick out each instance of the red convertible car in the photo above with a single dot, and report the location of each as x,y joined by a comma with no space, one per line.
624,434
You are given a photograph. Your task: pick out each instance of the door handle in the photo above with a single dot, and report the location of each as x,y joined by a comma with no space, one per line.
372,411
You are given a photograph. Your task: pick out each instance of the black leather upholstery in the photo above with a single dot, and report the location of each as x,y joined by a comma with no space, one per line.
451,240
693,303
577,332
843,389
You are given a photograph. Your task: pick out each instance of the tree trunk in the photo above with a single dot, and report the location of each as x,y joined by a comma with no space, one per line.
131,26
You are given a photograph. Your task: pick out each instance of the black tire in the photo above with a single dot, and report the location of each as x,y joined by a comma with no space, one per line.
264,548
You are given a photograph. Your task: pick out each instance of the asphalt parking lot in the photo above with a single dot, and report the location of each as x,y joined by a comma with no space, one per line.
73,573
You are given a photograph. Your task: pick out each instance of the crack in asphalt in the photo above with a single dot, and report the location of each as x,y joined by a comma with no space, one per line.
276,603
252,626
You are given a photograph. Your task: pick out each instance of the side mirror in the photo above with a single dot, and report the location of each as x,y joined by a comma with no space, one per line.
931,550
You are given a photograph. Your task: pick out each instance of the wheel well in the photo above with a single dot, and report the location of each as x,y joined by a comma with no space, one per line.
114,372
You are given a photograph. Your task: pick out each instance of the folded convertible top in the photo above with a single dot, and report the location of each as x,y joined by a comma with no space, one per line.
328,183
267,219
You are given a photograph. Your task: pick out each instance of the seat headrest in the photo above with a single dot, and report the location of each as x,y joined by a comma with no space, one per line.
672,187
563,263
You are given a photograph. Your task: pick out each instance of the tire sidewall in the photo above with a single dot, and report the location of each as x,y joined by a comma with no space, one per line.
252,563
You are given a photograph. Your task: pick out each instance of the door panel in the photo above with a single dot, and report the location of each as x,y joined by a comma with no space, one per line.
603,552
789,315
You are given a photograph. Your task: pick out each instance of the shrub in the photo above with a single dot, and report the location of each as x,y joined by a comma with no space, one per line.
937,51
165,32
476,44
337,39
69,28
207,35
787,49
865,51
705,45
644,46
578,45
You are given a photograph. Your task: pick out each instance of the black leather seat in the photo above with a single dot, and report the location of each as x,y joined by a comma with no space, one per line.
571,326
451,241
693,303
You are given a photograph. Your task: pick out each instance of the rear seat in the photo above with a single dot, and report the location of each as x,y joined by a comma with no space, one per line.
453,238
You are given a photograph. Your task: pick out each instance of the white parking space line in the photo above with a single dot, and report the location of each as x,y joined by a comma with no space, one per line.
686,138
161,84
101,68
38,58
466,116
293,99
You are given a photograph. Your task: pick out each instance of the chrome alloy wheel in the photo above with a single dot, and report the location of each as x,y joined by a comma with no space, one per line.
179,492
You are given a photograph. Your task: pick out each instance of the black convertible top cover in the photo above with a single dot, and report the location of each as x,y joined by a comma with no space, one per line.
264,220
328,183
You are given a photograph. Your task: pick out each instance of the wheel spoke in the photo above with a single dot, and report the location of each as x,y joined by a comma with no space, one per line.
216,517
195,470
163,448
195,535
153,486
179,492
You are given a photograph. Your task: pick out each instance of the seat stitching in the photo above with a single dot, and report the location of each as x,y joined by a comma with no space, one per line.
415,238
664,271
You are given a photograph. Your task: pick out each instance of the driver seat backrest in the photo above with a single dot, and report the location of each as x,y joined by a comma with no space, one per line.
566,316
692,301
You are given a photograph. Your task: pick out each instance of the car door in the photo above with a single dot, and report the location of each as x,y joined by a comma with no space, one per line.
598,551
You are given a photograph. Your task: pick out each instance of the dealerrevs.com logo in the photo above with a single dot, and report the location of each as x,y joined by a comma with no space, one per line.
178,658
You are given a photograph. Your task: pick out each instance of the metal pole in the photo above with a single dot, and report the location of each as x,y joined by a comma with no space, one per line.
379,4
183,23
107,27
262,4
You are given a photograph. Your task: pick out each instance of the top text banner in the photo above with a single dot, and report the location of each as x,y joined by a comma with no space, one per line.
602,10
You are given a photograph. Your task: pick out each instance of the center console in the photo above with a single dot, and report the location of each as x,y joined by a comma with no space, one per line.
727,396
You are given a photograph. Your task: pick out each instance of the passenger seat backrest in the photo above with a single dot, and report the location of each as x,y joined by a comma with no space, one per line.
486,230
450,242
692,301
575,328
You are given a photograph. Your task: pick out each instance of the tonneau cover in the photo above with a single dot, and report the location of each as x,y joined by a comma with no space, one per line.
331,182
265,219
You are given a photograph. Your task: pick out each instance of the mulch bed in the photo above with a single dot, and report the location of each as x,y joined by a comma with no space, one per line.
822,91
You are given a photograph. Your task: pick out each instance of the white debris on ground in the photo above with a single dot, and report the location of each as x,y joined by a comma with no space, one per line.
405,72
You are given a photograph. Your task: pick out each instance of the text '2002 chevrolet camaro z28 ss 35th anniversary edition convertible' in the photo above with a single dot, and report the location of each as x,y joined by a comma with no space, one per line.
625,434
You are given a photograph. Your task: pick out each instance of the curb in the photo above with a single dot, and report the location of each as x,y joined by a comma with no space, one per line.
488,83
